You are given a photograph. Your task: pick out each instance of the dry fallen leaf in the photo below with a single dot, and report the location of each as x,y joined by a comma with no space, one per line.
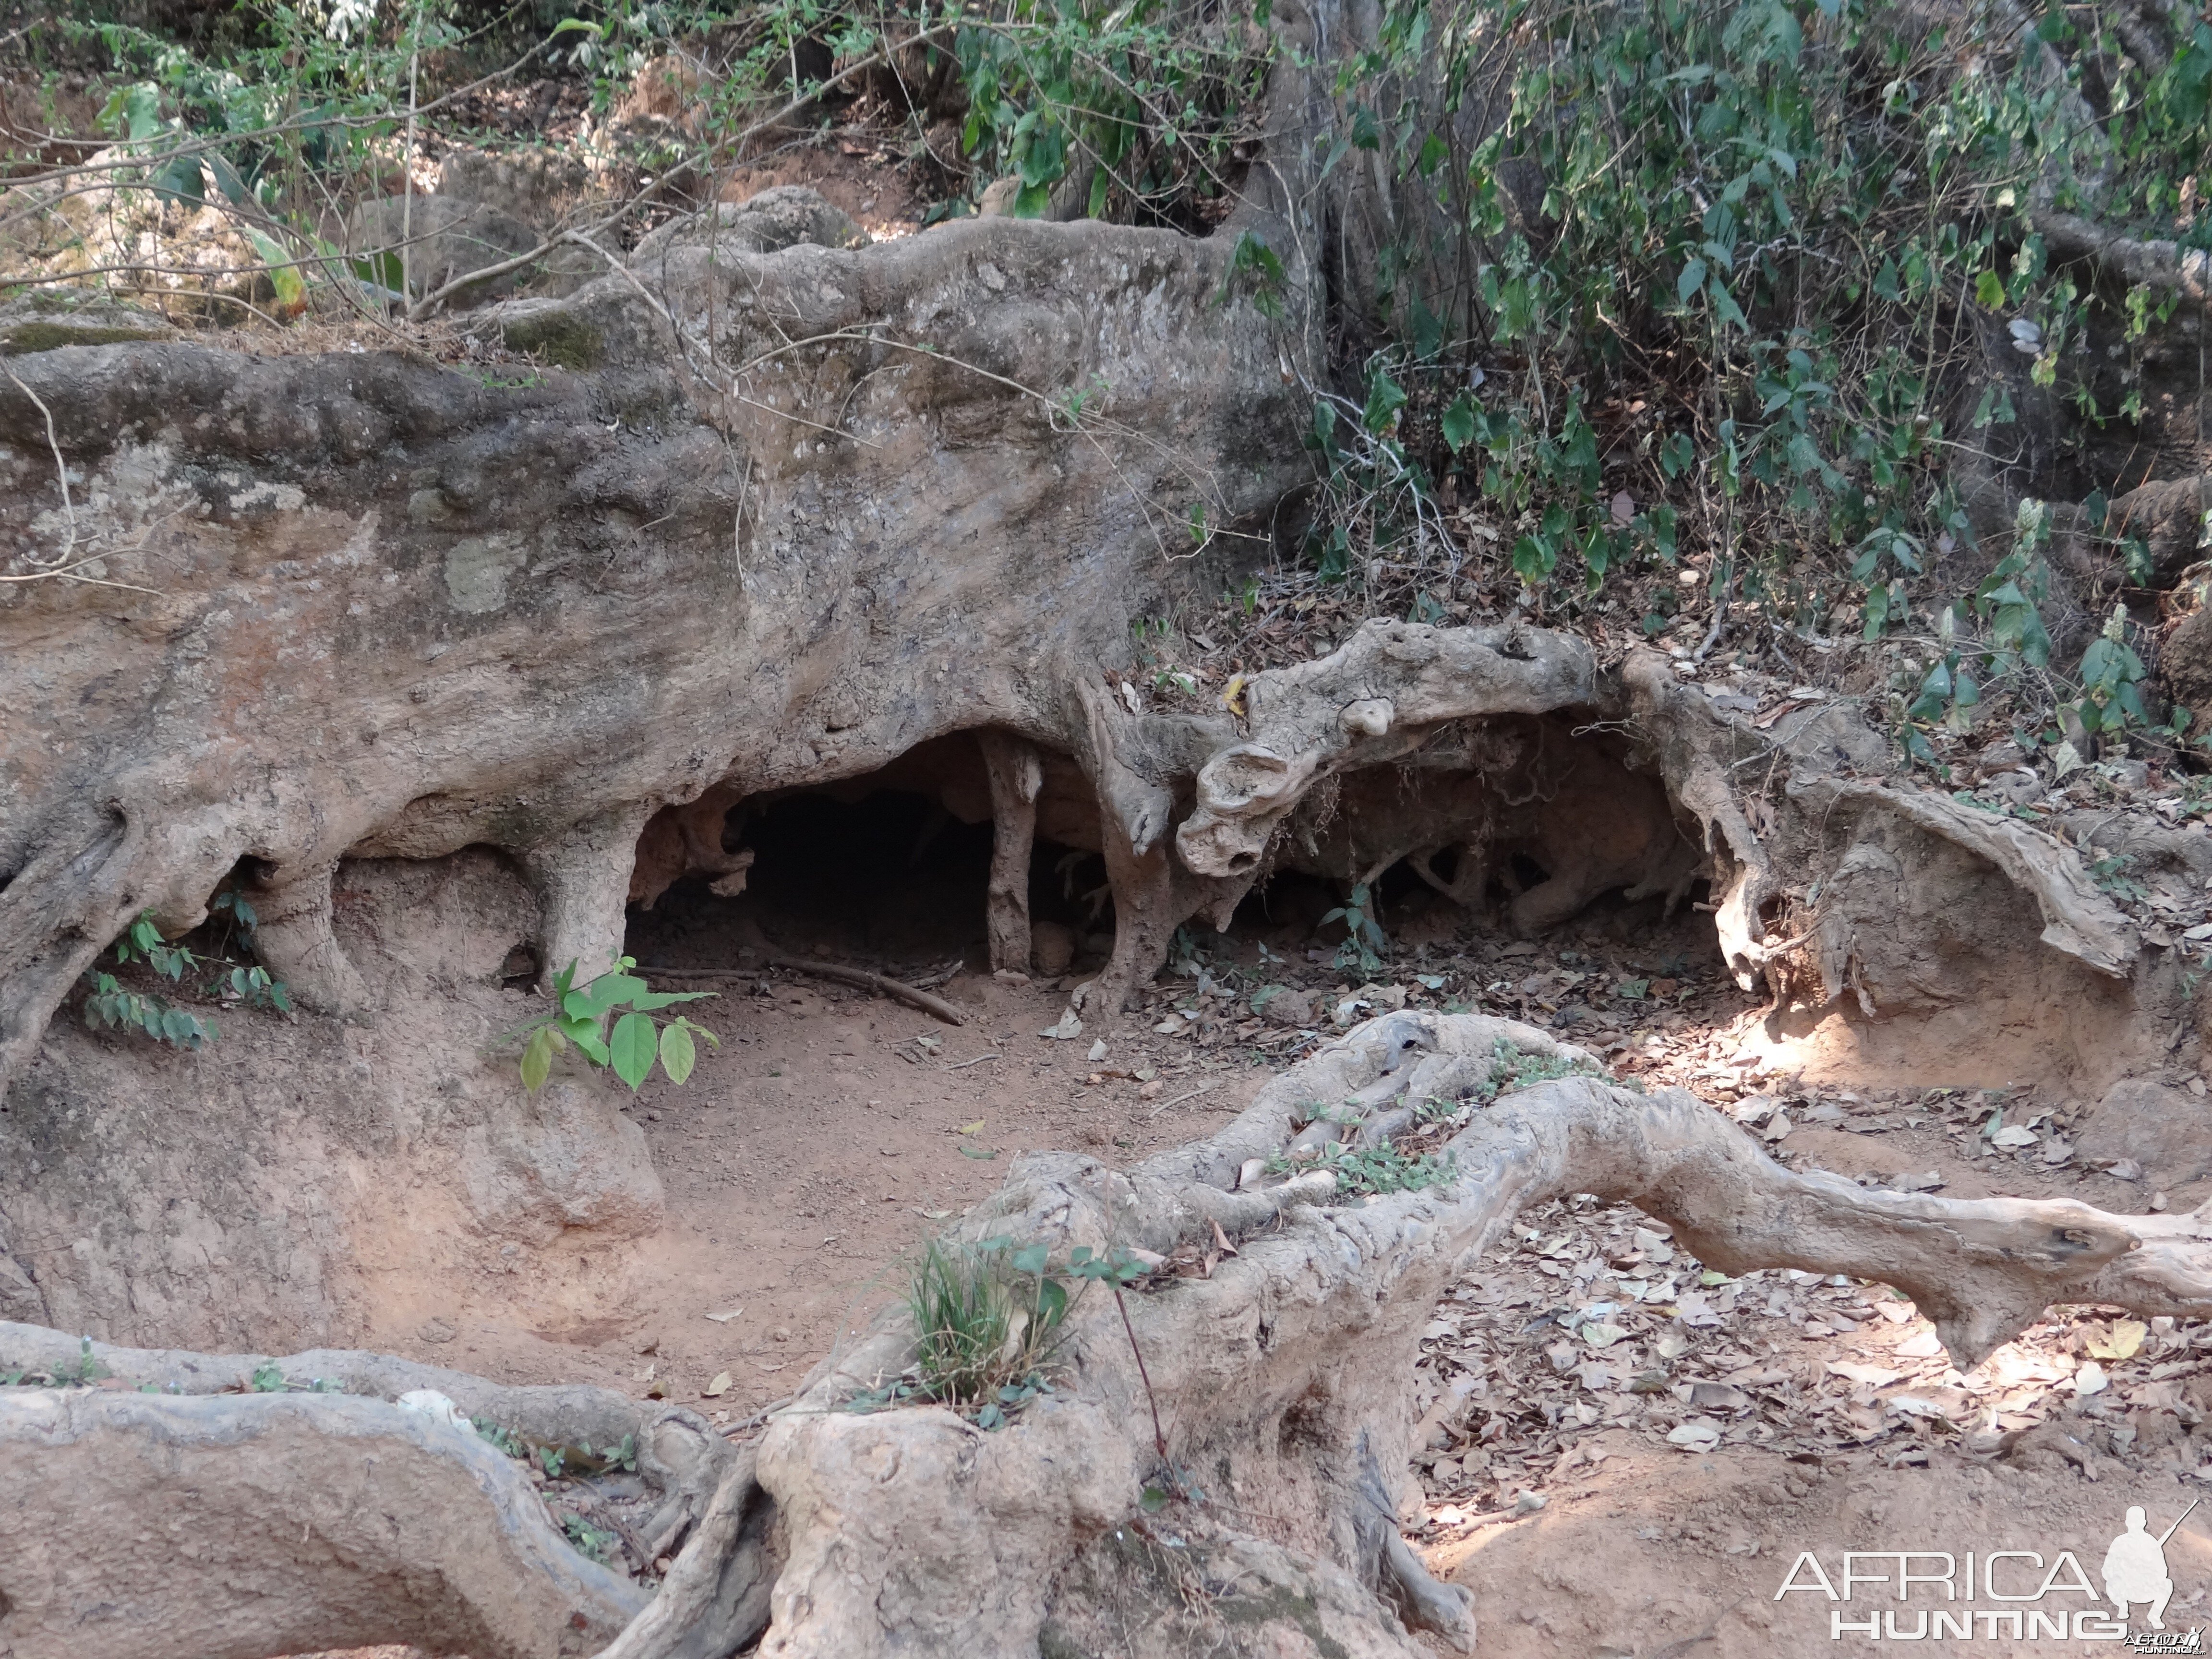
1873,1376
2124,1341
718,1388
724,1318
971,1129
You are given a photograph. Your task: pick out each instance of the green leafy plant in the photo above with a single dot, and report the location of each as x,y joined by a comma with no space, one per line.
1137,105
557,1459
1364,941
2112,681
86,1371
588,1540
79,1373
984,1319
267,1378
637,1041
1361,1171
113,1005
1947,698
1741,326
2110,873
505,1439
1512,1068
142,942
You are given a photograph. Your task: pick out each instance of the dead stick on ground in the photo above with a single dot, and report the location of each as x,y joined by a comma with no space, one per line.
898,989
732,1431
1203,1088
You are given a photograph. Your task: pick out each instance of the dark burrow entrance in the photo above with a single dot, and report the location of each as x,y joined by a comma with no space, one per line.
1513,829
887,871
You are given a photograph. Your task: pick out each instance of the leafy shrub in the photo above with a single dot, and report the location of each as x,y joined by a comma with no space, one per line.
637,1041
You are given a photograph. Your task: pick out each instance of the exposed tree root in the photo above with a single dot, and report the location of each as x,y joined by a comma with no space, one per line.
897,989
1282,1380
687,841
715,1598
2162,265
1017,775
240,1526
677,1451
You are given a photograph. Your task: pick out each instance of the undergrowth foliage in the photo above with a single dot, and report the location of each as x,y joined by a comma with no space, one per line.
1713,281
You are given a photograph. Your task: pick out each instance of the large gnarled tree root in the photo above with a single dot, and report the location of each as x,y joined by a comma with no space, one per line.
1282,1380
244,1525
292,1521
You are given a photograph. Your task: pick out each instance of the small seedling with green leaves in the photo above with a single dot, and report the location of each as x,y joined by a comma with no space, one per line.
505,1439
2111,873
588,1540
580,1019
1512,1069
112,1005
557,1459
1364,941
88,1370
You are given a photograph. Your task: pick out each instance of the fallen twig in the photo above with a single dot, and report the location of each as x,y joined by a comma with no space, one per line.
963,1065
1202,1089
897,989
732,1431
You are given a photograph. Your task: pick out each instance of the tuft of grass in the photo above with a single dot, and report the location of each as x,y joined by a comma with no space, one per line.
986,1319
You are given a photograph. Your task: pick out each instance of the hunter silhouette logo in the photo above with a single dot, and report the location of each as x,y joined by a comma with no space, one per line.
2026,1597
2135,1567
